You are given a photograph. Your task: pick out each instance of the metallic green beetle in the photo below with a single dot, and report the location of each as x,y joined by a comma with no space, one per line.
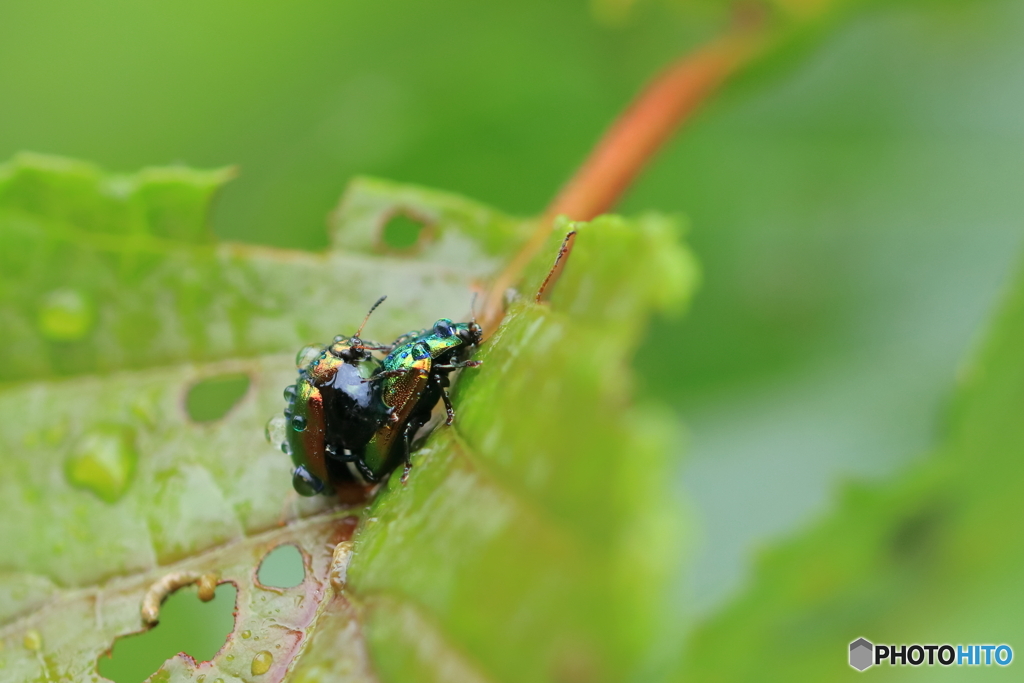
351,418
413,378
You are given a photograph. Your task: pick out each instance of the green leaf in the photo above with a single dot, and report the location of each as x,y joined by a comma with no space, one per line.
535,537
547,503
97,270
931,557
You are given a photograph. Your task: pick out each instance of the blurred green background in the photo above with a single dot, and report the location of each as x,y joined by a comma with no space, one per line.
854,199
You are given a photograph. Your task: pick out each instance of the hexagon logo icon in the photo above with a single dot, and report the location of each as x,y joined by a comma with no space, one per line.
861,654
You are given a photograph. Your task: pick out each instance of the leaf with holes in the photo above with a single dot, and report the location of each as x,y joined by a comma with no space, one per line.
141,359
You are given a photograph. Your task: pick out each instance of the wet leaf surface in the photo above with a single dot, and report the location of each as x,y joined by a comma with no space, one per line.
76,627
859,208
534,537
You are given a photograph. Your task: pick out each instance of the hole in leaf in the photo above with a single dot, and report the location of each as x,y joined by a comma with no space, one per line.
212,398
186,625
282,568
401,232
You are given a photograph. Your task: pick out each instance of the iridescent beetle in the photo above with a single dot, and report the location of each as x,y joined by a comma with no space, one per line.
412,379
352,419
332,412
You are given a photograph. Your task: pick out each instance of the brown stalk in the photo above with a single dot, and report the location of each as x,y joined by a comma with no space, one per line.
630,144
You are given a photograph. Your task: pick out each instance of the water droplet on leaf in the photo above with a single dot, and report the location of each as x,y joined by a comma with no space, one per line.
247,634
65,315
261,663
274,431
33,640
308,354
103,462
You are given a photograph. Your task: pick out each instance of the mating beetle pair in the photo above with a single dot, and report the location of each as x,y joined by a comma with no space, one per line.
352,418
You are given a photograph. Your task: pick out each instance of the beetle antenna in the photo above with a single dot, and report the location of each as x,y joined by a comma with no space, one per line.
472,307
373,308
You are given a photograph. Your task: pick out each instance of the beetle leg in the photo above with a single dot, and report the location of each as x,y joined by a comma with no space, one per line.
365,470
387,348
339,453
459,364
407,435
448,406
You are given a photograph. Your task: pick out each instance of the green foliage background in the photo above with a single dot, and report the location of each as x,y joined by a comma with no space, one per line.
853,200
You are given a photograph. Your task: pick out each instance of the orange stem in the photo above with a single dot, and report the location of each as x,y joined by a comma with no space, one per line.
638,134
631,142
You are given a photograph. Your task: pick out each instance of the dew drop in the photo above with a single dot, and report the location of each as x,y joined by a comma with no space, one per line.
230,658
261,663
298,423
200,678
305,483
247,634
65,315
289,393
218,680
308,354
274,431
33,640
103,462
